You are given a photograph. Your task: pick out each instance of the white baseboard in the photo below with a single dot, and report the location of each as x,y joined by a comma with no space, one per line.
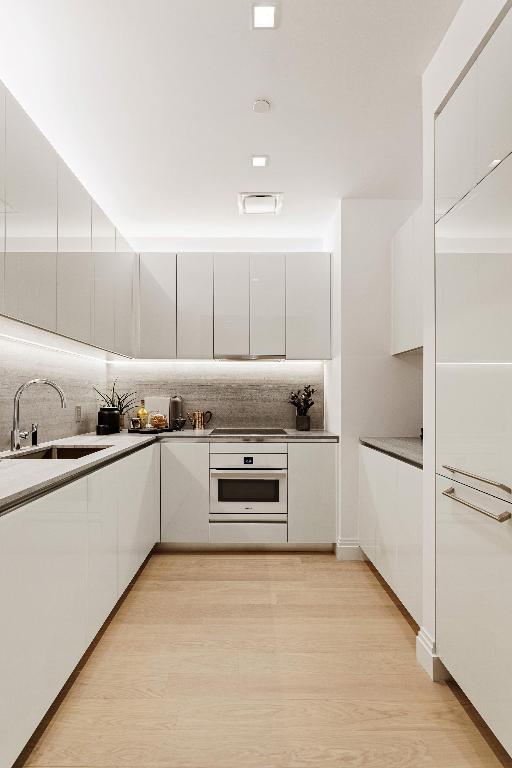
428,659
349,549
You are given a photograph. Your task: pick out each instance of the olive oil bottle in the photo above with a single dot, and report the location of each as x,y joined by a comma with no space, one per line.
142,414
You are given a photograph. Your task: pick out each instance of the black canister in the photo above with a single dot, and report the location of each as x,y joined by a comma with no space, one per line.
108,421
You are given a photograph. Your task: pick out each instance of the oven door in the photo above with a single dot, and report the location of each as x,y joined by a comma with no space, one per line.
247,495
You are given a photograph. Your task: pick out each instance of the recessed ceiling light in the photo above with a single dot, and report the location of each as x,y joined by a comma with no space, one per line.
261,106
264,16
258,203
259,161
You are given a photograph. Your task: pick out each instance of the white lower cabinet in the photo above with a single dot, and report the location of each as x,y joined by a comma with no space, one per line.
138,507
102,523
390,523
248,533
43,588
474,600
59,559
312,492
185,468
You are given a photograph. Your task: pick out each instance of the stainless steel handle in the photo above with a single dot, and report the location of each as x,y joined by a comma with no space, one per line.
463,472
501,518
249,472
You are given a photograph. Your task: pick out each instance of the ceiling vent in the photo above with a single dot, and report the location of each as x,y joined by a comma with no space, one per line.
258,203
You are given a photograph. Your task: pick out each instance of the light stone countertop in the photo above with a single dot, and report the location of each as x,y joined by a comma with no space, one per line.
290,436
23,479
408,449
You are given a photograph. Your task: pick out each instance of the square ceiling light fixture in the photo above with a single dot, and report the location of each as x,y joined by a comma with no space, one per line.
260,203
259,161
264,16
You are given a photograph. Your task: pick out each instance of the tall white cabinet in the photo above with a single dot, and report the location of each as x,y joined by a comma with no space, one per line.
194,306
231,305
308,306
157,296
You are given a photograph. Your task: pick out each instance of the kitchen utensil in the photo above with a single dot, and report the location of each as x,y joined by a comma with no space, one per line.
199,419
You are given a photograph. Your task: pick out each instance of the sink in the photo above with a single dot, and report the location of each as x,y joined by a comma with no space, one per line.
60,452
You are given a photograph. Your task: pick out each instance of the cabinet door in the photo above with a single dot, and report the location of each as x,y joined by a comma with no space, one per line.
105,277
385,479
267,304
185,478
124,304
43,567
407,317
194,305
308,306
138,497
31,288
102,521
456,145
409,538
231,304
157,305
369,493
312,493
494,121
474,601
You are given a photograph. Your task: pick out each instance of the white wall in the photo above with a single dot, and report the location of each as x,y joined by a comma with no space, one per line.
380,394
465,36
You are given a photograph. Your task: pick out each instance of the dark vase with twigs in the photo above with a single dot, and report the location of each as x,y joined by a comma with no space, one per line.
122,402
302,400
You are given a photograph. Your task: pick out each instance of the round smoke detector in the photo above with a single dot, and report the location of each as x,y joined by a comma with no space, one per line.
261,106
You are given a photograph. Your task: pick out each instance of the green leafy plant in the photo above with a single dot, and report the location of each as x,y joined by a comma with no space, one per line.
302,400
113,399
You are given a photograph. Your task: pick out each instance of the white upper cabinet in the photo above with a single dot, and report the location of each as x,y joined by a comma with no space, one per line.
75,267
157,295
194,306
31,229
308,306
268,304
231,305
124,326
456,145
105,278
494,121
406,279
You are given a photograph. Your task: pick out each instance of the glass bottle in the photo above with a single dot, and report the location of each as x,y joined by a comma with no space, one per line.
142,414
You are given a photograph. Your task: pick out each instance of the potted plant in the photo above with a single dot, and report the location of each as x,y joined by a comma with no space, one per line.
302,400
123,402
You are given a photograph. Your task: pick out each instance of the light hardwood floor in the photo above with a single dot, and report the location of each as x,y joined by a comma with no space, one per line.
259,661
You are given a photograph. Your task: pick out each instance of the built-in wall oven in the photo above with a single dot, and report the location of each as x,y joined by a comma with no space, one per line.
248,492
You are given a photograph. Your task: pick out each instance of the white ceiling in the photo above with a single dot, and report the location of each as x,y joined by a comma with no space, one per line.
149,102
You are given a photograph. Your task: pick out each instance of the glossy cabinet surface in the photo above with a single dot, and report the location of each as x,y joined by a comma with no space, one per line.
43,578
157,292
390,523
185,478
312,493
473,340
231,305
102,525
104,306
2,195
474,601
194,306
267,303
407,284
124,303
308,306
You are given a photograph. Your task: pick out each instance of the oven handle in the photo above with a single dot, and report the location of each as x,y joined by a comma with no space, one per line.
249,472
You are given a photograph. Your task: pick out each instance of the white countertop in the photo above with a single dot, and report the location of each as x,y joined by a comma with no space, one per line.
289,436
20,479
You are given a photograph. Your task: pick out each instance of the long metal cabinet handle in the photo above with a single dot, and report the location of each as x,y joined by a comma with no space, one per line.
463,472
501,518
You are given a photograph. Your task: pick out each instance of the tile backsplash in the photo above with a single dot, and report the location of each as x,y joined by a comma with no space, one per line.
75,374
239,394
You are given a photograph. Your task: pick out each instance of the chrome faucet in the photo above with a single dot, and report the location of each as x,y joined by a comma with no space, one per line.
16,435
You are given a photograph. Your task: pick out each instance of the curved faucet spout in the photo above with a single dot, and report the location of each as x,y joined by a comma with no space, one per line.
15,434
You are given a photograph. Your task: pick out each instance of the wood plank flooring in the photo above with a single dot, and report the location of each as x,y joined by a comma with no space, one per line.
259,661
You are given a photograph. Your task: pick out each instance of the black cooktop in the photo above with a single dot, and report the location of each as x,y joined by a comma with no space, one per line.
223,431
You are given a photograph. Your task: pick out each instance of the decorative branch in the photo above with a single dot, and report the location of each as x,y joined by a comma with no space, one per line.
302,400
124,402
